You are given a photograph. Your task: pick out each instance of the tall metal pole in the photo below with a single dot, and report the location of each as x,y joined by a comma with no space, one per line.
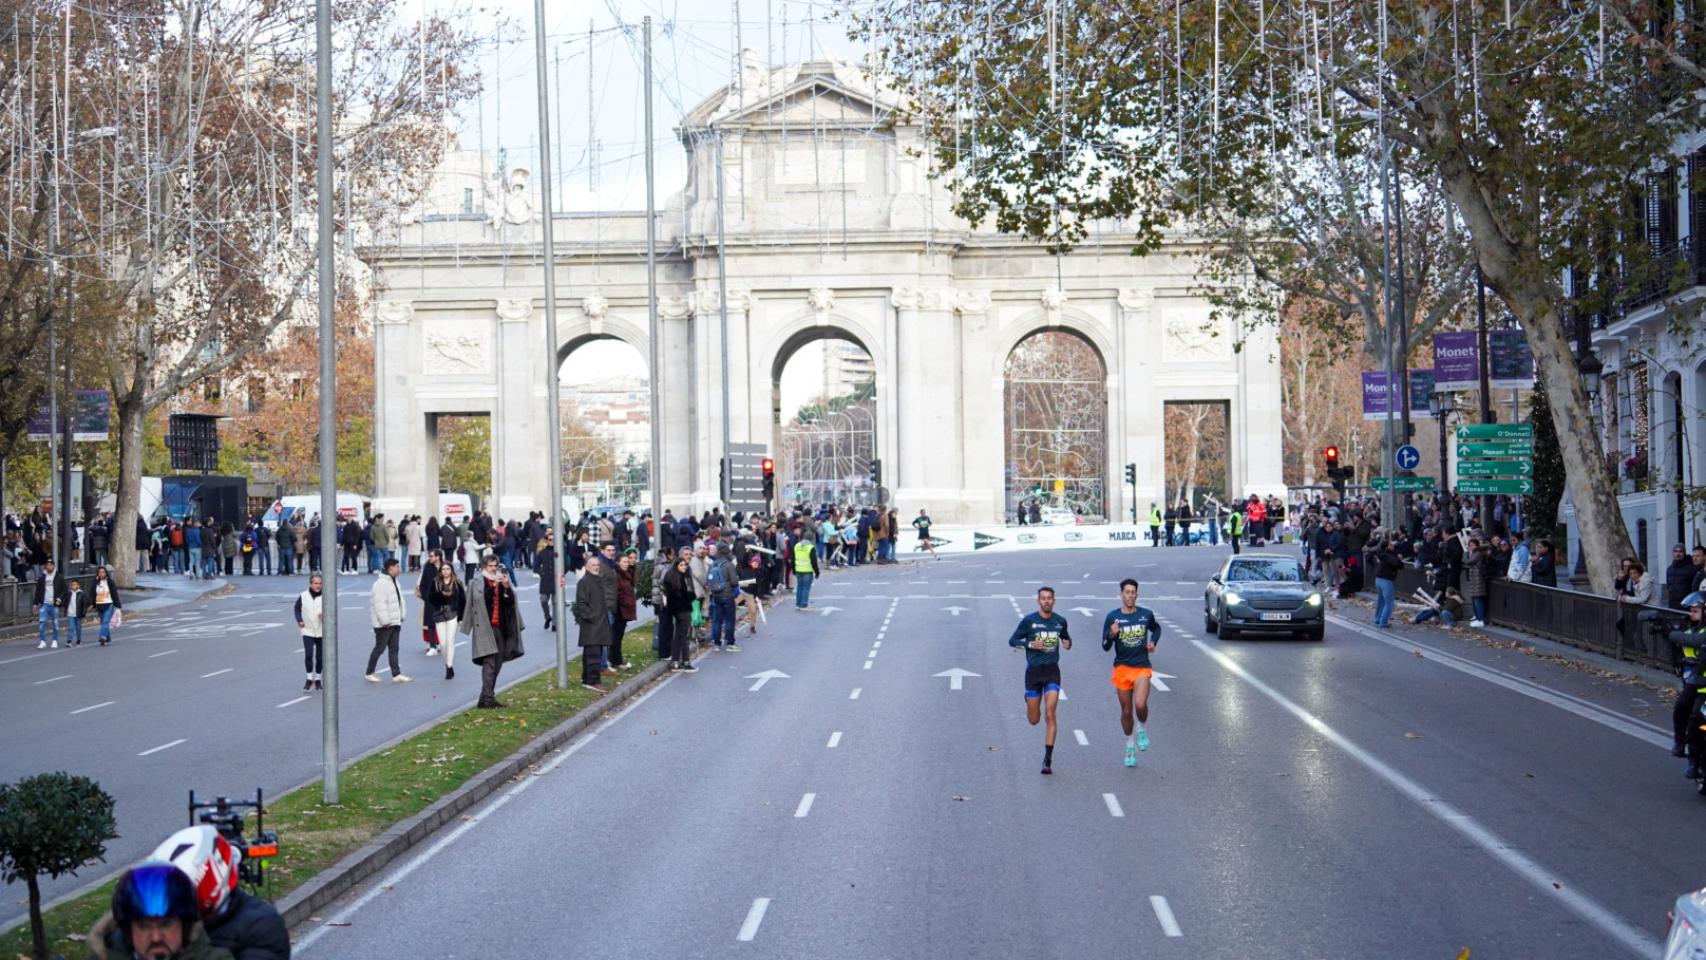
1389,502
727,483
553,391
1402,310
328,402
656,470
1485,376
62,540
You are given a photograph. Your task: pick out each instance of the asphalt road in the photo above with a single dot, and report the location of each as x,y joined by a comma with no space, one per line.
1380,794
209,697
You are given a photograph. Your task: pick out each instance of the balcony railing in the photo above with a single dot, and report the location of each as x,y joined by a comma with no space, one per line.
1673,269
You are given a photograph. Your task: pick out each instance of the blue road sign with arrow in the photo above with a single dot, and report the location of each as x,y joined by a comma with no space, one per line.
1407,457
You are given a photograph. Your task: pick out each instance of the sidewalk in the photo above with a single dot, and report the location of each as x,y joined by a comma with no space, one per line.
1361,611
154,593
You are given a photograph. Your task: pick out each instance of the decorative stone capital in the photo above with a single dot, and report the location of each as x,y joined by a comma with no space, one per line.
675,308
971,301
821,299
595,306
1054,301
515,310
394,311
1136,299
710,303
923,298
906,298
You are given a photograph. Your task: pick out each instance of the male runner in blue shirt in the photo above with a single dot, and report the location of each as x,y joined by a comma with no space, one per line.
1042,635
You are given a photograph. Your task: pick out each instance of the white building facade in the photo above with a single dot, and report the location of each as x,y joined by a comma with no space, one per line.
833,231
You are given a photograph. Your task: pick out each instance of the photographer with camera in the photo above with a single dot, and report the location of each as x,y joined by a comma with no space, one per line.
154,917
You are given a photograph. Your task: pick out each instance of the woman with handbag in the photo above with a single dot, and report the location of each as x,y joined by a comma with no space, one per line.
103,597
678,604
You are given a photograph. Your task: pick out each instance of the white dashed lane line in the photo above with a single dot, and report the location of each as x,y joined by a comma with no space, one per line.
290,703
163,653
43,683
1164,914
104,703
868,664
835,740
1083,741
805,806
855,694
754,917
163,746
1113,803
217,672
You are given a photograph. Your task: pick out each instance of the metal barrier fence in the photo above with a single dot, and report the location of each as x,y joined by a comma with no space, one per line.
1584,620
15,605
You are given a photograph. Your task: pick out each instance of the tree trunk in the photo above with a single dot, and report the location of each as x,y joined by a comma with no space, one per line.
129,497
38,934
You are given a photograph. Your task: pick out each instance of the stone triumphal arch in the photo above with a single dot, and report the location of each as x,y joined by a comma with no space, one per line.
833,231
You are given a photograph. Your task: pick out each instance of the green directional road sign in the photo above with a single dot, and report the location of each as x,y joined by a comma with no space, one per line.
1495,468
1495,431
1480,485
1510,448
1405,484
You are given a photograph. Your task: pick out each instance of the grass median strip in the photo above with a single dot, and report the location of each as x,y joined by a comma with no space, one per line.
378,790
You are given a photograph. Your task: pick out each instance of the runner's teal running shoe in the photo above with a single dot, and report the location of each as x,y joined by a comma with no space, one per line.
1130,757
1143,739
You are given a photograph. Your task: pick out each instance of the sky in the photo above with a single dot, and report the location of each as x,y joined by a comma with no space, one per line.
694,51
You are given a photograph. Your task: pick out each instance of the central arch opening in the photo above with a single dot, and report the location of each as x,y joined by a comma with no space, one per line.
825,420
606,424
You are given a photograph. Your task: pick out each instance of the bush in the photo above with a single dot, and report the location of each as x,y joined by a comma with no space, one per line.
53,824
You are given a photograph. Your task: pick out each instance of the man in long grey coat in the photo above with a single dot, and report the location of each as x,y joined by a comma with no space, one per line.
493,618
592,614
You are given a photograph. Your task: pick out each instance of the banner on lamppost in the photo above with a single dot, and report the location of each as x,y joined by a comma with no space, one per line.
1511,361
1456,361
91,416
1376,395
1421,388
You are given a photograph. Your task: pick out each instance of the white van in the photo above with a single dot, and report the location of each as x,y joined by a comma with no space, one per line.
307,506
459,507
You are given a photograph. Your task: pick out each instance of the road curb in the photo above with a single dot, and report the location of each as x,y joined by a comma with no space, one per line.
301,904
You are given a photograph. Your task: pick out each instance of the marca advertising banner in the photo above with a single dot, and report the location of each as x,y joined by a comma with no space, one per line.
1456,361
1512,362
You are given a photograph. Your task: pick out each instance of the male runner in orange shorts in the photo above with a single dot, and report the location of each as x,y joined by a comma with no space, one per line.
1131,632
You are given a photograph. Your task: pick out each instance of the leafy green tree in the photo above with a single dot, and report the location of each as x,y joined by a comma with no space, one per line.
1549,473
51,824
1531,123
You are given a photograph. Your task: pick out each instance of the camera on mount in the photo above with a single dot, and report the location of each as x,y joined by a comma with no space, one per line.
1660,623
226,816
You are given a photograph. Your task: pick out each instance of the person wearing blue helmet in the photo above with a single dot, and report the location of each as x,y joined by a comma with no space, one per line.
155,916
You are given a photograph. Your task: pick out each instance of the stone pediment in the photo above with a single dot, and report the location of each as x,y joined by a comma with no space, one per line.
820,92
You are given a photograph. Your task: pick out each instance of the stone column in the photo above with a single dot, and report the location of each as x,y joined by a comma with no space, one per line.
977,418
676,401
708,389
399,427
930,472
1140,434
518,463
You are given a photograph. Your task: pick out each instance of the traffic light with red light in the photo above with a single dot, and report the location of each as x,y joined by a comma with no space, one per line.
1337,474
769,467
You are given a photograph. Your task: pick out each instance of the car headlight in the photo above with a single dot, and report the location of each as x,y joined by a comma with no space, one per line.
1313,600
1232,597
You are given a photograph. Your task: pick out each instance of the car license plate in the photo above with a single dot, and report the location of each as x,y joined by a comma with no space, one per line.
1276,616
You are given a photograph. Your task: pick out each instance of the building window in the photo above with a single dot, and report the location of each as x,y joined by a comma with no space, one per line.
467,199
1639,423
257,395
212,390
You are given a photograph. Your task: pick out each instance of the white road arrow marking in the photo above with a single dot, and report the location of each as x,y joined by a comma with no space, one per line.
956,611
1155,681
764,678
826,611
1084,610
956,677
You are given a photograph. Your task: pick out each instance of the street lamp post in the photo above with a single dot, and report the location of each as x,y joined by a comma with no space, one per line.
1442,405
1589,369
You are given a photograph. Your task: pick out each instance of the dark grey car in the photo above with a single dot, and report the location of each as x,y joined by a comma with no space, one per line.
1263,593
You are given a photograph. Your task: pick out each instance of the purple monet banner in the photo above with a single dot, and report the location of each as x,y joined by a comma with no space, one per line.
1512,362
1456,360
1376,396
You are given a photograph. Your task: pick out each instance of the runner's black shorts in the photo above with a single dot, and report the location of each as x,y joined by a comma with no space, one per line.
1041,678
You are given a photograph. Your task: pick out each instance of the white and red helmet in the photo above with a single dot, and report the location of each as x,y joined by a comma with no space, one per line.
208,859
